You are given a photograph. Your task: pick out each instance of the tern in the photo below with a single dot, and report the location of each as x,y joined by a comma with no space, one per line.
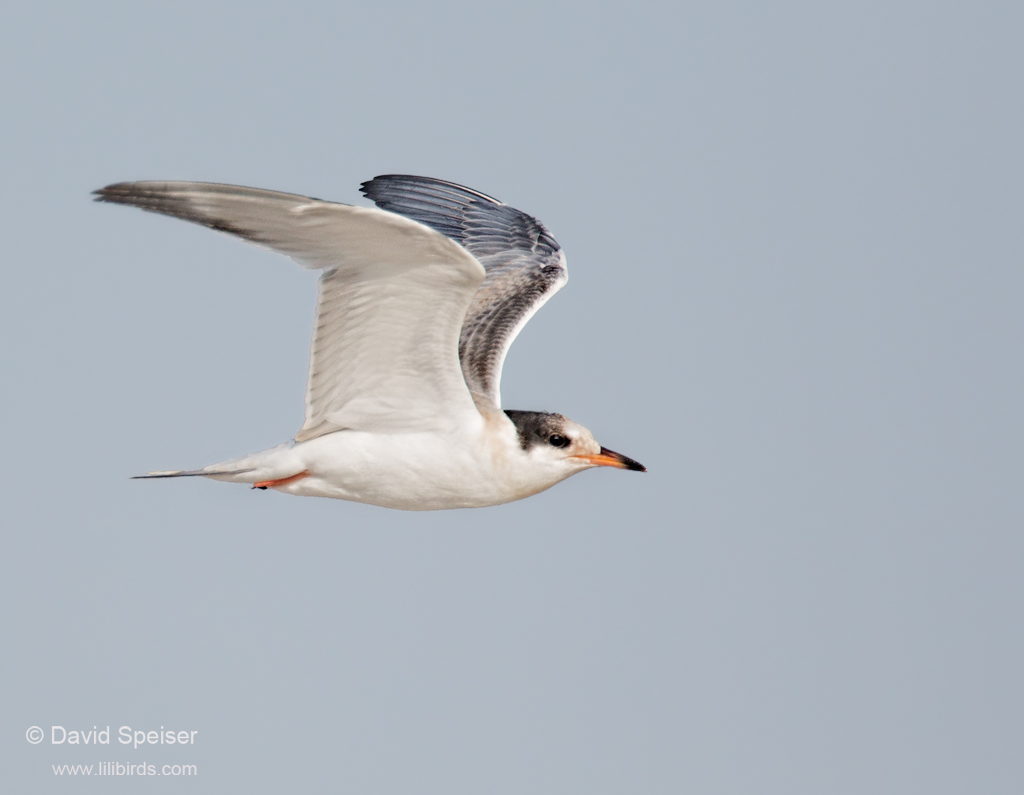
419,300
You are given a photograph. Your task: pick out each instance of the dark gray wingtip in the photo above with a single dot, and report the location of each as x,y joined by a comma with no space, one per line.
117,193
177,199
423,187
439,204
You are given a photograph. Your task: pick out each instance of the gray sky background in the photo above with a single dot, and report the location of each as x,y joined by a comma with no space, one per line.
794,234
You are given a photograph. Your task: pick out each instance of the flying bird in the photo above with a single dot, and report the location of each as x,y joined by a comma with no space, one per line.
419,300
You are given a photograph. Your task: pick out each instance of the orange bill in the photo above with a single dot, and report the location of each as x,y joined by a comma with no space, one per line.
609,458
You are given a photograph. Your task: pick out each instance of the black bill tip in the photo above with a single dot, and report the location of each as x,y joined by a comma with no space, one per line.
623,462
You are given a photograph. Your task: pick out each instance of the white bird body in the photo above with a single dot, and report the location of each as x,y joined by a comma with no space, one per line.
415,313
471,467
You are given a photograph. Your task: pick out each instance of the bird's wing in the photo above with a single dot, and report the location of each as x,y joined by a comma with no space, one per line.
524,265
392,299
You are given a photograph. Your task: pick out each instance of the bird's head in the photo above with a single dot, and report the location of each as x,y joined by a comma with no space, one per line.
564,447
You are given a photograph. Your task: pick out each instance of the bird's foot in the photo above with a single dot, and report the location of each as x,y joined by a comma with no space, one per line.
273,484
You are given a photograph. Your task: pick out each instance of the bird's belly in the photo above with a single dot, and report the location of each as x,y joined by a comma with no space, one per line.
406,471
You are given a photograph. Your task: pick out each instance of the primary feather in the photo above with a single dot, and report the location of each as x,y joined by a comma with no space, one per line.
524,265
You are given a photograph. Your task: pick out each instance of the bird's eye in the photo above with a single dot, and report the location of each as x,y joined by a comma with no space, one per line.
557,440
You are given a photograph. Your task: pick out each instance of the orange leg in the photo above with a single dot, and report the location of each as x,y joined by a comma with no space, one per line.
273,484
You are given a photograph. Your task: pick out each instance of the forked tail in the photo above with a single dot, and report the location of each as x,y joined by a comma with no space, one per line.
194,473
267,465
